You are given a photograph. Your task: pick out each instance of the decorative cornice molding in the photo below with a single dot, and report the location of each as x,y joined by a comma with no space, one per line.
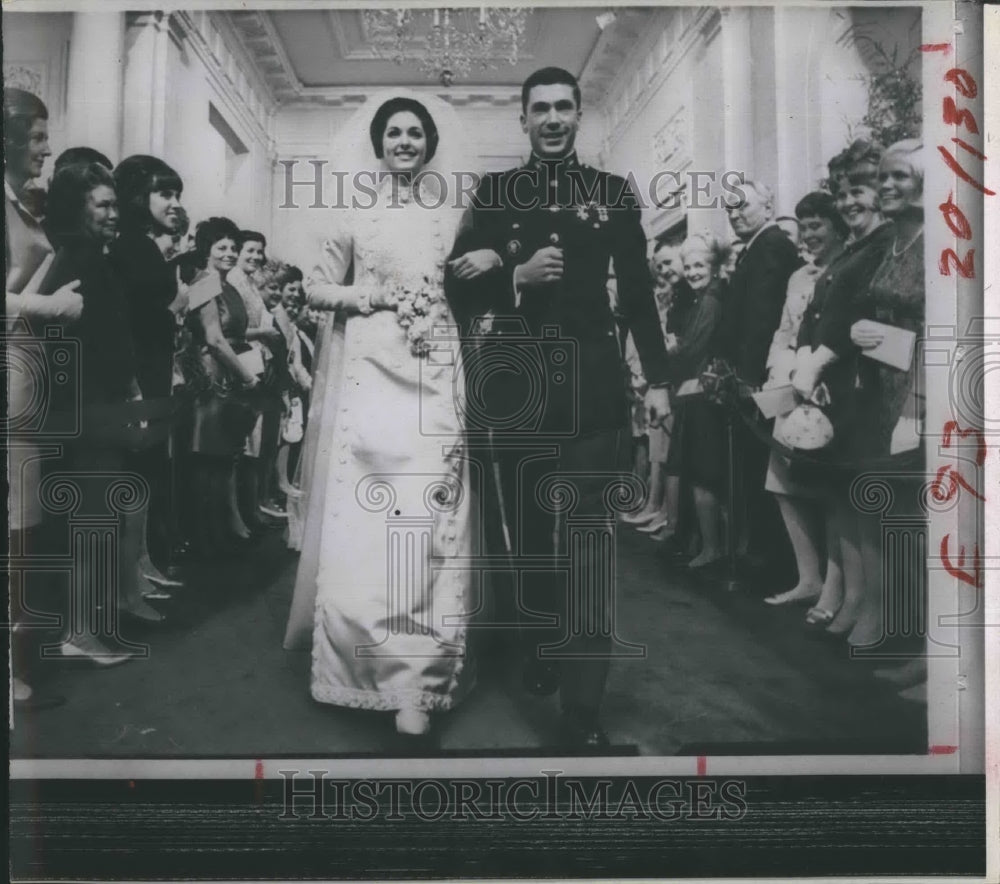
29,75
351,96
231,72
336,26
610,53
267,54
635,86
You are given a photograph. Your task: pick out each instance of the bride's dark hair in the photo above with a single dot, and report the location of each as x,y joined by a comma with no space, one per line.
395,106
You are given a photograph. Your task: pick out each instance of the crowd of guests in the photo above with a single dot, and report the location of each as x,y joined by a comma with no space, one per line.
195,368
795,314
192,373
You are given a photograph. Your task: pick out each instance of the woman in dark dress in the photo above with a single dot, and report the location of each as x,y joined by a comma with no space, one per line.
82,221
698,448
890,405
223,412
827,355
149,201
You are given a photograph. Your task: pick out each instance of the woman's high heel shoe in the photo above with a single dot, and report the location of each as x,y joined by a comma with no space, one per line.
141,611
659,521
413,723
665,533
640,518
155,576
792,597
819,618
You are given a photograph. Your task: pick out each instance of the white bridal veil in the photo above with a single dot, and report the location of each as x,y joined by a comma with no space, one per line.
350,172
445,180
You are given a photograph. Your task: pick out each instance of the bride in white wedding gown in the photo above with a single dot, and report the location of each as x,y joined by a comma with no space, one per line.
386,546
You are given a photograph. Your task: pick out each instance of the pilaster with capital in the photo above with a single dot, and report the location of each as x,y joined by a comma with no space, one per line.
94,87
145,83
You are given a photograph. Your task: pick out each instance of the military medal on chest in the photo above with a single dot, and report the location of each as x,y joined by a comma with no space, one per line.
593,213
514,244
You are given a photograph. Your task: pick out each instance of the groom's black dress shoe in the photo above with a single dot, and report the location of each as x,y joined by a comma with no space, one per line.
540,678
581,732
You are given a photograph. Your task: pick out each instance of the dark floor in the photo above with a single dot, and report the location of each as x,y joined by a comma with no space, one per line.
724,674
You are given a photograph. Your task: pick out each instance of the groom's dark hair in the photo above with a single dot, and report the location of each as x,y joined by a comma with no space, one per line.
549,77
395,106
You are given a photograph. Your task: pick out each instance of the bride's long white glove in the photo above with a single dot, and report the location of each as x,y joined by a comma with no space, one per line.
65,304
360,298
324,288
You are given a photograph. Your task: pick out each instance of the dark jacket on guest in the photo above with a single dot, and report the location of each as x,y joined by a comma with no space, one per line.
698,336
682,304
841,291
756,297
106,354
150,286
839,300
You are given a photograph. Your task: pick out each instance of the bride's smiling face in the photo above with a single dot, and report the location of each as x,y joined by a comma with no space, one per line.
404,142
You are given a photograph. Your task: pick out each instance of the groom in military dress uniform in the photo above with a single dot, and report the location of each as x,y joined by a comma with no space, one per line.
528,281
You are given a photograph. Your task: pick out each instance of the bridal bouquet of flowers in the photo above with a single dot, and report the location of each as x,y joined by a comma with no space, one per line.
419,307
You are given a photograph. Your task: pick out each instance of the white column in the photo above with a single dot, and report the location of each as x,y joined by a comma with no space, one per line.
794,31
737,93
94,94
145,88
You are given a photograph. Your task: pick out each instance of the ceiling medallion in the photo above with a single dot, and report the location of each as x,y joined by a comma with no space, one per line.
447,43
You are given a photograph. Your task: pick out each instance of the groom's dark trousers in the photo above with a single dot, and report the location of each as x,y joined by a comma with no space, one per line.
545,376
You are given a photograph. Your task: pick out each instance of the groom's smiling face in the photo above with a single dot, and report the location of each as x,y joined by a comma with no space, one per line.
551,119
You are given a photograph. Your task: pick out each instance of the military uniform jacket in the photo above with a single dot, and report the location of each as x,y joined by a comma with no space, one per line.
593,216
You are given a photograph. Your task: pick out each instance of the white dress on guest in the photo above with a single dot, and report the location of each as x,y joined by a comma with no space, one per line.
780,363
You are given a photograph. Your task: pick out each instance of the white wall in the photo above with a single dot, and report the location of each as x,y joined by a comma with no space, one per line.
670,106
798,99
213,184
36,50
302,134
36,47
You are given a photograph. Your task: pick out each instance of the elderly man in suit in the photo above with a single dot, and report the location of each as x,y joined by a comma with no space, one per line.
757,292
534,260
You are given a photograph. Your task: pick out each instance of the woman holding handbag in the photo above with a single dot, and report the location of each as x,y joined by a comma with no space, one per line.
801,501
828,352
222,369
698,447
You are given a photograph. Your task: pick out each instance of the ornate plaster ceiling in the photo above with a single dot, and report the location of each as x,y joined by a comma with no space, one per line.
323,56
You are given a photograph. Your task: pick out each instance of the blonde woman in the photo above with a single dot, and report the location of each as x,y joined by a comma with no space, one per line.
698,447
